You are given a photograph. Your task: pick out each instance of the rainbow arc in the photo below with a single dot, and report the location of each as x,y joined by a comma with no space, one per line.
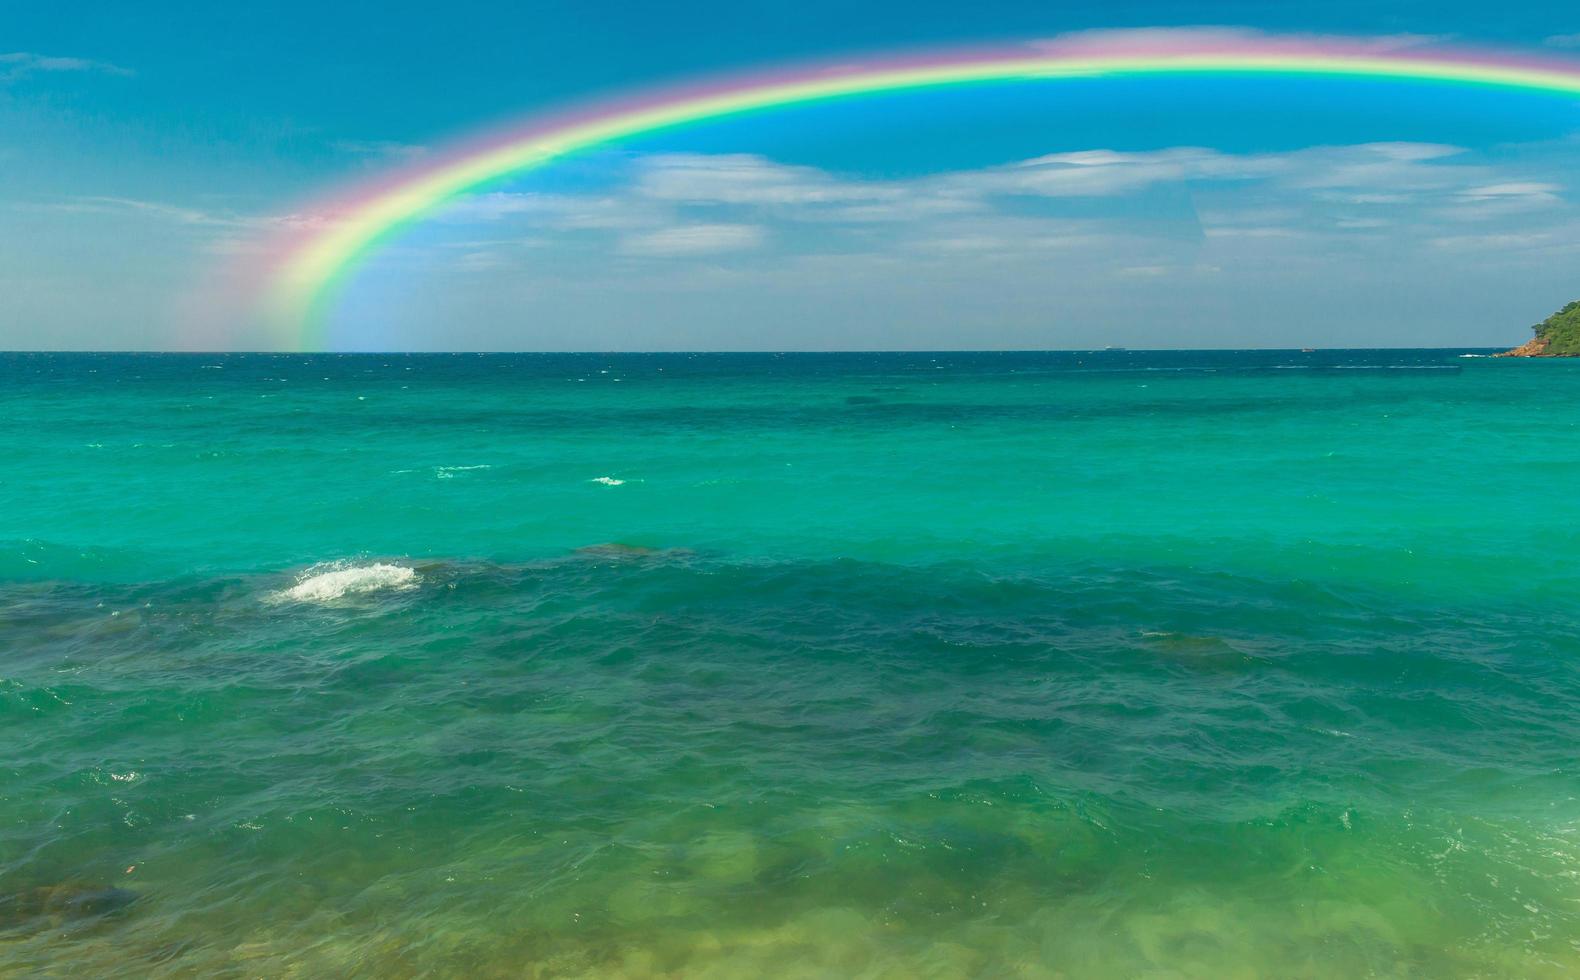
347,229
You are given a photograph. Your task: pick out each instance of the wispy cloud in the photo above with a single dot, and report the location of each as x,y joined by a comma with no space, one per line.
1496,241
1509,198
747,179
224,232
1358,174
379,149
1107,173
1563,41
1530,190
1051,205
1370,174
156,209
694,240
560,212
18,64
1376,168
1074,212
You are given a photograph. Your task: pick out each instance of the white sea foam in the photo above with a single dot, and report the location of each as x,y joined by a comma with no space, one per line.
449,472
607,481
336,580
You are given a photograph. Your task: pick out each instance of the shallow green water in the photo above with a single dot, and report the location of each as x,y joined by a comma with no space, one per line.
1020,665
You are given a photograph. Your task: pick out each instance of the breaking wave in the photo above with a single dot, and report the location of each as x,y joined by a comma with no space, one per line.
326,582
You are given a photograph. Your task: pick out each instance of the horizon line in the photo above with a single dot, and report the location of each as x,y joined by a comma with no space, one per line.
853,350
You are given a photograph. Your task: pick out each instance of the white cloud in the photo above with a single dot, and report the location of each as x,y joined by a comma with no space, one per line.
1009,234
560,212
1495,242
380,149
787,192
1107,173
217,232
1250,232
1363,174
913,208
493,206
744,179
1504,199
1373,169
1531,190
699,205
747,179
156,209
16,64
694,240
968,243
1364,197
481,261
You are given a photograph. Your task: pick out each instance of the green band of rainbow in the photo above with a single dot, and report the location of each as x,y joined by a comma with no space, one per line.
349,229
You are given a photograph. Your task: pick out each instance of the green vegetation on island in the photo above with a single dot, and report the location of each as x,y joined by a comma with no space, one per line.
1556,336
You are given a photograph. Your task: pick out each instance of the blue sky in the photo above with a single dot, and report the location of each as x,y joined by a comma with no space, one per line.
140,145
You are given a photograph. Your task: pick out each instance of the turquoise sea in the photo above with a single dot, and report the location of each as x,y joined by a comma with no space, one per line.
1115,664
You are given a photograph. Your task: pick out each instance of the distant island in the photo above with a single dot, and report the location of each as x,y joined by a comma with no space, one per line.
1556,336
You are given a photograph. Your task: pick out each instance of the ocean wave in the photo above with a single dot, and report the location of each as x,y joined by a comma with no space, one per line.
328,581
449,472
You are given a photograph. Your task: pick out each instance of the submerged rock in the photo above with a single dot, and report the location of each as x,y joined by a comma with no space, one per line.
100,901
1206,652
65,902
627,552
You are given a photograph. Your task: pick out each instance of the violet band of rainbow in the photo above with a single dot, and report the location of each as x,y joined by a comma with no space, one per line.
353,227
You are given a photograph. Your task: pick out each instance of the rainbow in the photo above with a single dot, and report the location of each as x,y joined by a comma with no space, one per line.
341,232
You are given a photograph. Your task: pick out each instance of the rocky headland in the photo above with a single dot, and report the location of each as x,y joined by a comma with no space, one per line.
1556,336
